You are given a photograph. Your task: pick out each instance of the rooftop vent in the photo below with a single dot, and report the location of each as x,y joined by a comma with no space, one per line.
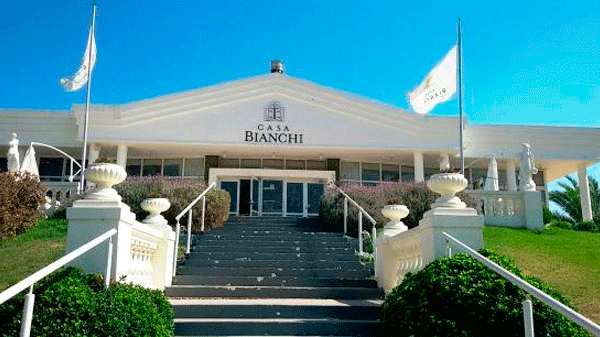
277,66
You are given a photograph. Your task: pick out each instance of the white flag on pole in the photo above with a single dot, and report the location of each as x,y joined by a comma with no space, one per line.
437,87
80,78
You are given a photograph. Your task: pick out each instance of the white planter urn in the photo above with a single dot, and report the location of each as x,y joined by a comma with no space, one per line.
395,213
155,206
447,184
105,176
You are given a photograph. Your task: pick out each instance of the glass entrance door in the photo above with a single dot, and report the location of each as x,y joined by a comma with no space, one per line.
315,191
295,198
232,188
254,196
272,196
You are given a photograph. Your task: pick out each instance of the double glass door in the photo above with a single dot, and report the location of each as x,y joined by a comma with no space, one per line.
256,196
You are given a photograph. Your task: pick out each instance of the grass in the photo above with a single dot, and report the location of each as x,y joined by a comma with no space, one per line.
27,253
568,260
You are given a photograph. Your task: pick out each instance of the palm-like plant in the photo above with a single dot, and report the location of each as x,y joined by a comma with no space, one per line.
570,201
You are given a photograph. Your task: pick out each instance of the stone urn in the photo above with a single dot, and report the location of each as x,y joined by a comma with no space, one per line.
105,176
447,184
395,213
155,206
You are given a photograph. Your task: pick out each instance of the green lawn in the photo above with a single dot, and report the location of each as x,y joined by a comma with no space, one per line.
26,253
566,259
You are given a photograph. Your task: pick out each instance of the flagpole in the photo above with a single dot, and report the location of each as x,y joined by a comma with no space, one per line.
87,99
460,105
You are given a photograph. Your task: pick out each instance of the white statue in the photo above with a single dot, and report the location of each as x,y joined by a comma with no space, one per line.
12,156
445,163
527,169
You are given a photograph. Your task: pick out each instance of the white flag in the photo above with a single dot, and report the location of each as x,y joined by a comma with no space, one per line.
80,78
437,87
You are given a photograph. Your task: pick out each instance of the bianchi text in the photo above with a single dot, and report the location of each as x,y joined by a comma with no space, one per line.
273,134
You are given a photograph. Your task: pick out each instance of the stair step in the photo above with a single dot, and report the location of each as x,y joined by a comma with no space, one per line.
295,327
272,281
275,272
273,249
199,255
275,243
274,238
272,292
277,308
285,264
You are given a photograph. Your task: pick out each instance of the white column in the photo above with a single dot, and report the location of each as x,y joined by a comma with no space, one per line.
94,153
511,176
122,155
584,190
419,170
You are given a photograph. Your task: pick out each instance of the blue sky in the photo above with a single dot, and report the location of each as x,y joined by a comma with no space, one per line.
532,62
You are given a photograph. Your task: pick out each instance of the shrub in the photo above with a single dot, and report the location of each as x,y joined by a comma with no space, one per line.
459,296
72,303
180,192
587,226
20,198
547,214
562,224
416,196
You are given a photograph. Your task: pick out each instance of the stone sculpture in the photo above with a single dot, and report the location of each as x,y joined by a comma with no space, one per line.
527,169
12,156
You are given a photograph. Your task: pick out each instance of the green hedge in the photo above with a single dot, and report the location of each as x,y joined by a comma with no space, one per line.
459,296
72,303
180,192
416,196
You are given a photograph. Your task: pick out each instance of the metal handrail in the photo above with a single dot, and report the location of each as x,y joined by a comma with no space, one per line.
361,211
73,160
571,314
29,281
188,210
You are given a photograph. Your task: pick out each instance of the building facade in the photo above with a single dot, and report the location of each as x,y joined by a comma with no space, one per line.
275,141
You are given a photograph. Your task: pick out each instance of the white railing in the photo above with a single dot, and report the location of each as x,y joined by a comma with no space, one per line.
31,280
408,247
500,208
73,162
361,211
61,194
188,210
141,269
533,291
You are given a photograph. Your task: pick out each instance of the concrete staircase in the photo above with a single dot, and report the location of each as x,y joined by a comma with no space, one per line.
274,276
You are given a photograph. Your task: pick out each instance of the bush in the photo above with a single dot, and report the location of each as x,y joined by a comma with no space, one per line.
459,296
180,192
416,196
587,226
562,224
547,215
71,303
20,198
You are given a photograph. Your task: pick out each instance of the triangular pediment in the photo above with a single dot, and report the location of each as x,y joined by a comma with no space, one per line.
226,112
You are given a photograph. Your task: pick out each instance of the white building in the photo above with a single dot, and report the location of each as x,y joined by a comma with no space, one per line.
273,141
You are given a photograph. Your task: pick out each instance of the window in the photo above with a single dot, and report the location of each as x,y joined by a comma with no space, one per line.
370,172
172,167
134,167
230,163
407,173
194,167
152,167
320,165
295,164
349,171
51,168
250,163
390,172
273,163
